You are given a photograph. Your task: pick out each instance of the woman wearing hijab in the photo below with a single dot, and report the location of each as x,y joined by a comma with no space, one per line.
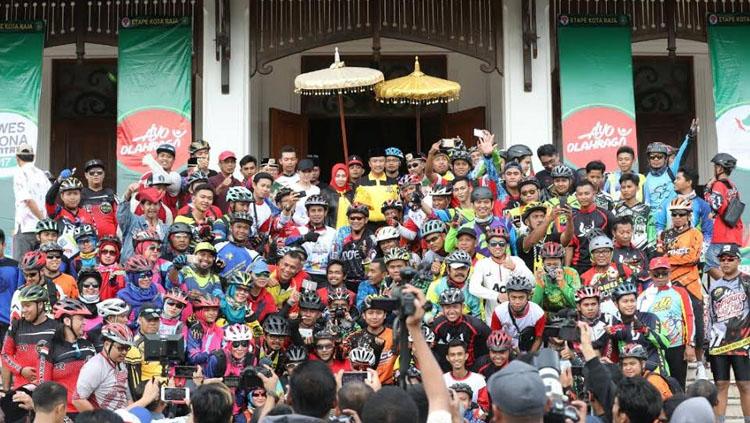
142,285
113,273
340,195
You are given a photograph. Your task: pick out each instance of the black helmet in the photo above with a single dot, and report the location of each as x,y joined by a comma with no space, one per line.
517,151
725,160
481,193
451,296
180,228
624,289
276,325
358,208
310,300
296,354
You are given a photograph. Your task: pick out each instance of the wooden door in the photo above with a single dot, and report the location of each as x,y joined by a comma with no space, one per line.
287,128
462,124
76,141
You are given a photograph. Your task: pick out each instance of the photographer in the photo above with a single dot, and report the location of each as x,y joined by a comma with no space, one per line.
556,284
588,303
138,368
339,315
453,324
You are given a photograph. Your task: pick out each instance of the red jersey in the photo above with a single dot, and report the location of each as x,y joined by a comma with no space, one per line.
718,196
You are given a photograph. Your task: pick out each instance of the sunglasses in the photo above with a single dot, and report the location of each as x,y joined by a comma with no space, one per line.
500,350
145,275
30,274
96,173
153,247
356,218
727,259
108,252
656,156
679,214
175,304
290,366
413,165
661,274
54,256
496,244
238,344
259,394
90,285
324,347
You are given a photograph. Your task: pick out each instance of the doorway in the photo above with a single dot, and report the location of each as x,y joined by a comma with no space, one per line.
664,104
84,116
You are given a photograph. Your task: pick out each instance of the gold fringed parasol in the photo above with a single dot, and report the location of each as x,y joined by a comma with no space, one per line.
338,79
417,89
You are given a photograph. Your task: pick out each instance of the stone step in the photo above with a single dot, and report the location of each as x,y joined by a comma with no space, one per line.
734,408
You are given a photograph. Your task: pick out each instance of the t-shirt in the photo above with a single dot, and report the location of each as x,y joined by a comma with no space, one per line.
475,380
729,316
68,285
103,383
533,317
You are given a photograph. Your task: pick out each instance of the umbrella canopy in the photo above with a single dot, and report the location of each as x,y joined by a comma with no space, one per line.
417,88
337,79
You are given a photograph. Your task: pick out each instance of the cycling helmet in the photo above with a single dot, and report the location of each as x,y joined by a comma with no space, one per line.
529,181
658,148
69,307
442,191
481,193
111,240
495,232
198,145
462,387
276,325
531,208
310,300
177,295
238,278
180,228
725,160
48,247
633,351
587,292
338,294
33,294
138,264
239,195
241,217
600,241
358,208
681,204
119,333
499,340
362,355
433,226
89,272
112,307
296,354
47,224
517,152
70,184
83,231
552,250
562,171
387,233
458,154
397,253
406,180
394,152
237,332
458,256
624,289
197,176
325,334
392,205
206,300
451,296
147,235
316,200
33,260
205,246
519,283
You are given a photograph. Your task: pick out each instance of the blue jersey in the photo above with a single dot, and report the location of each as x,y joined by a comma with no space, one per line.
10,280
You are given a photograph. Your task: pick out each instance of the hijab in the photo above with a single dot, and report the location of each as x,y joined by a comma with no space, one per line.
334,171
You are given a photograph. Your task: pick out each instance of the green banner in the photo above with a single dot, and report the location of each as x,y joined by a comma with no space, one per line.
21,50
153,92
596,88
728,36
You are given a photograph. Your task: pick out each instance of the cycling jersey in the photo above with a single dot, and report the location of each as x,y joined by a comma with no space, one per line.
63,365
354,251
532,317
644,235
472,304
103,383
554,297
237,257
488,279
318,251
718,196
612,185
374,191
671,304
604,200
658,185
189,279
586,220
472,331
485,367
648,335
684,252
700,217
201,340
480,228
19,347
729,316
386,351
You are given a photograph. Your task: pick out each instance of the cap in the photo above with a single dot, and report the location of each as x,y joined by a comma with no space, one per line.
269,161
376,152
226,155
466,230
730,250
149,311
415,156
659,263
150,194
159,179
25,149
305,164
92,164
693,410
315,159
355,159
511,165
166,148
260,267
518,390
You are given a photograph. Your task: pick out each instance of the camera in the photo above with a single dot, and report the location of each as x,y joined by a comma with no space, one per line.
249,377
339,312
563,326
547,364
164,348
402,302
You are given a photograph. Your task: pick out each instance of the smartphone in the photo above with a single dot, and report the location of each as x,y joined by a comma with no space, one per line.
448,143
231,381
300,194
478,133
192,162
185,371
564,201
353,377
308,285
175,395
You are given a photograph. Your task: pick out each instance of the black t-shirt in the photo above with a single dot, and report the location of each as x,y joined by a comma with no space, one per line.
91,197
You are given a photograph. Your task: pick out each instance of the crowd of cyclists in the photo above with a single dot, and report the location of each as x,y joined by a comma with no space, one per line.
266,271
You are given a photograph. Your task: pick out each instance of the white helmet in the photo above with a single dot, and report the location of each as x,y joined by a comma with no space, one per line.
237,332
112,307
362,355
387,233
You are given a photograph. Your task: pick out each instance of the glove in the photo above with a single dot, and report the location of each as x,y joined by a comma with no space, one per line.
64,174
250,315
180,261
311,236
220,264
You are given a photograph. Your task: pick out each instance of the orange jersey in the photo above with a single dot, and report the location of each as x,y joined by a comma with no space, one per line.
684,252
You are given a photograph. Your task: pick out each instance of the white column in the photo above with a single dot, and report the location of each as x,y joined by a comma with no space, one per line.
224,119
527,115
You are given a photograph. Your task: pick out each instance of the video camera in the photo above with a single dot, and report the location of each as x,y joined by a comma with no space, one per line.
400,302
249,378
563,326
547,363
164,348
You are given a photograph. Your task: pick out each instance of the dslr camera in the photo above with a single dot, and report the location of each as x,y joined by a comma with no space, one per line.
547,363
563,326
401,302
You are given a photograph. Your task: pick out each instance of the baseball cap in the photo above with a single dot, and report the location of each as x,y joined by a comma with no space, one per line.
92,164
166,148
25,149
269,161
518,390
659,263
315,159
355,159
149,311
260,267
305,164
730,250
466,230
415,156
226,155
150,194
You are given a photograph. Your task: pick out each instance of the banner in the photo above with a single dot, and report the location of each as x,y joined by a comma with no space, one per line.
21,50
153,92
596,88
728,37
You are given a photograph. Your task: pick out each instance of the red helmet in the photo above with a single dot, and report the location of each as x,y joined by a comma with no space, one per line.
137,264
499,340
552,250
206,300
118,332
496,231
33,260
69,307
588,292
176,294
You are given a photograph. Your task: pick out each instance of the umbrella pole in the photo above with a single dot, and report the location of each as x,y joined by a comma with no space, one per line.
419,129
343,128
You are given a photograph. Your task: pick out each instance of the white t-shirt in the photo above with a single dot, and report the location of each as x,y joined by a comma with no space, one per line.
29,183
475,380
103,384
300,212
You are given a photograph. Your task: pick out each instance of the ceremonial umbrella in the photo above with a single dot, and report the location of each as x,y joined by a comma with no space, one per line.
338,79
417,89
